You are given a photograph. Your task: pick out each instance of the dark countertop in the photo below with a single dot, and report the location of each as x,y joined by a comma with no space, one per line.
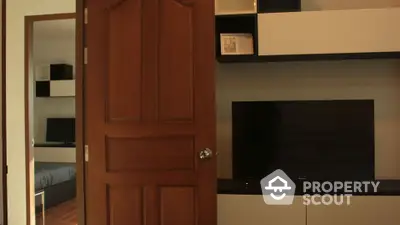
55,145
228,186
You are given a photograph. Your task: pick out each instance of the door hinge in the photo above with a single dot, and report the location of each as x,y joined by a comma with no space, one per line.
85,53
6,169
87,153
86,16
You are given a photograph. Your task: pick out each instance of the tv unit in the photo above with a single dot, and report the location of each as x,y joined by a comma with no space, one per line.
60,130
309,140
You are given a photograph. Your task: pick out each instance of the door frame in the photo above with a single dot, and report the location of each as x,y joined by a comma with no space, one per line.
79,56
3,149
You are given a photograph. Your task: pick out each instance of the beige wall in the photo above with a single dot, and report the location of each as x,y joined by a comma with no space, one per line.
16,11
369,79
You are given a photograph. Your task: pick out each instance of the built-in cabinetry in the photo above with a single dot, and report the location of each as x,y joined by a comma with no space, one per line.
55,154
363,210
251,209
293,34
58,82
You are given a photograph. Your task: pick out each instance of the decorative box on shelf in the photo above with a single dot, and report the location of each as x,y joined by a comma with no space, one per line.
236,44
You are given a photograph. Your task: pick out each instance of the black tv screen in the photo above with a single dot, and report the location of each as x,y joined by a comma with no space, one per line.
312,140
60,130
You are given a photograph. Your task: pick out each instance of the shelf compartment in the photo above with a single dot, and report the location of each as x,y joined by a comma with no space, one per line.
238,24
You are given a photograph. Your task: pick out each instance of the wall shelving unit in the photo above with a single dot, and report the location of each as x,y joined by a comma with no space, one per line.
282,32
59,83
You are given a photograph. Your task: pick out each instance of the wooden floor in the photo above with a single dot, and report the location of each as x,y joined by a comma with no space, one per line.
63,214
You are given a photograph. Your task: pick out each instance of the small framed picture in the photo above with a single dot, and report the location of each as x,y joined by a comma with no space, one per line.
237,44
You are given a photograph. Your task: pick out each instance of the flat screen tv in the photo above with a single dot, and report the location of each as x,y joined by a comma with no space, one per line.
60,130
311,140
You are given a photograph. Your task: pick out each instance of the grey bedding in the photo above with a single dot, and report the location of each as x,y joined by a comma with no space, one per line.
48,174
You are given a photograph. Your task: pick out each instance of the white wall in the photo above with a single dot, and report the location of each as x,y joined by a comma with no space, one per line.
369,79
16,11
47,51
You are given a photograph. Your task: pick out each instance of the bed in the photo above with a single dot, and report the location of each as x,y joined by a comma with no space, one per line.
57,180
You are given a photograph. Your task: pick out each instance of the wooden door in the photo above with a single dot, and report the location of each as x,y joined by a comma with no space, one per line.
149,112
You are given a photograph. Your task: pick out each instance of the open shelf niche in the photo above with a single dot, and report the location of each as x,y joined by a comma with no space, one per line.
277,30
244,24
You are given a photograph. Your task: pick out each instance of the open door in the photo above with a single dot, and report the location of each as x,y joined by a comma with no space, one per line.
150,112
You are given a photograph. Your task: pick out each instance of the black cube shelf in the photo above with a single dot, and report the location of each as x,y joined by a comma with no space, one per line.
61,72
42,88
244,23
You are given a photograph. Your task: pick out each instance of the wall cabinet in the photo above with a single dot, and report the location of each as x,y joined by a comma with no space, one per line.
62,88
329,32
55,154
251,209
55,88
363,210
295,35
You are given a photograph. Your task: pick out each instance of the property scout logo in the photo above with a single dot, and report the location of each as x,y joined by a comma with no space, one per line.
279,189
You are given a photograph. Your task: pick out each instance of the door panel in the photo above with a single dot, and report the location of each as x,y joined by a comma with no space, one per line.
176,69
150,110
124,59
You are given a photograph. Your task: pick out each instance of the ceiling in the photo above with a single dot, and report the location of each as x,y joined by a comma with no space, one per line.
54,29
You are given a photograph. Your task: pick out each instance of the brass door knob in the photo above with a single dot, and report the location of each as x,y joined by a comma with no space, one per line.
205,154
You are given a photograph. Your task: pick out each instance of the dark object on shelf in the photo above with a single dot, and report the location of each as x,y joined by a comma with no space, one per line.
235,24
310,139
60,130
271,6
42,88
61,72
